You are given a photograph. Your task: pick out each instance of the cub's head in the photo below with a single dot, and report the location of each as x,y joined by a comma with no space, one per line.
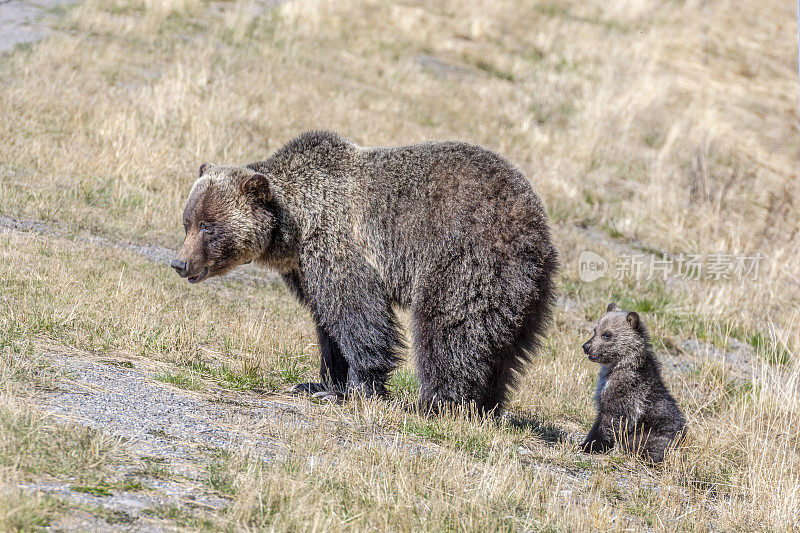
618,335
229,219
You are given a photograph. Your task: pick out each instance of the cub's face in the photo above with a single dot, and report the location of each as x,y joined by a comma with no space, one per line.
616,335
228,222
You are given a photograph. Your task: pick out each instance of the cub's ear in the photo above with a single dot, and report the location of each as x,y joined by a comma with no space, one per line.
256,187
633,319
205,167
611,307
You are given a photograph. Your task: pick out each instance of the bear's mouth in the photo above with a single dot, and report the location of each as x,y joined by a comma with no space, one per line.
199,277
593,357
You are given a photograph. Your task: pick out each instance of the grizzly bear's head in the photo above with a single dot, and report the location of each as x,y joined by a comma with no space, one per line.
618,335
229,220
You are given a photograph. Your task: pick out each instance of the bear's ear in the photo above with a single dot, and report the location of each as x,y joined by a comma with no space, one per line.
633,319
611,307
256,187
205,167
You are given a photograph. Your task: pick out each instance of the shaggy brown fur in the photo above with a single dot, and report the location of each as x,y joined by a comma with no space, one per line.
449,230
633,403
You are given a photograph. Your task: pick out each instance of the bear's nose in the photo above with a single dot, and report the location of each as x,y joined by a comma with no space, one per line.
179,266
586,347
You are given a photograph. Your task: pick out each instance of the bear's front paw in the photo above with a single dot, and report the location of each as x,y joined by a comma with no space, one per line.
329,396
307,388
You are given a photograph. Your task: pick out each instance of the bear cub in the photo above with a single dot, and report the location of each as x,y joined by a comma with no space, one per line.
633,403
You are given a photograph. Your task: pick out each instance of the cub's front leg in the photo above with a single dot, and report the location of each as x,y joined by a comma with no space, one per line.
601,437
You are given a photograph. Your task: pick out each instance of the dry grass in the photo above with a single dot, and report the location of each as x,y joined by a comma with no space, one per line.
668,128
37,448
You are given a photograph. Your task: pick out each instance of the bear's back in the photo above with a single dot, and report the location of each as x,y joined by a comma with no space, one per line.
410,209
447,190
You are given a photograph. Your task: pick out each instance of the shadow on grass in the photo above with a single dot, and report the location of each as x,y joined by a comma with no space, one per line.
548,433
432,417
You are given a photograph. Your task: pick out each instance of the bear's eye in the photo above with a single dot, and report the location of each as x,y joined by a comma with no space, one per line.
606,335
205,227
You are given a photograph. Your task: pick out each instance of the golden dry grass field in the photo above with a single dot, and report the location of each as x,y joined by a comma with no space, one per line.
654,129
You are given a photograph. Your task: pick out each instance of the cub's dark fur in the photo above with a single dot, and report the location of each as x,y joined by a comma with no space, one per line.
451,231
633,403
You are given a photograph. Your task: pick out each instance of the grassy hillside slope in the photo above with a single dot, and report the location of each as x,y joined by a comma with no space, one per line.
651,129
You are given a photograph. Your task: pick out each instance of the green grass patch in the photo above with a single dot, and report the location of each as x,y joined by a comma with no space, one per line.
494,70
131,485
292,367
249,375
612,231
403,384
182,380
94,490
221,477
154,468
110,516
181,517
466,438
769,350
20,511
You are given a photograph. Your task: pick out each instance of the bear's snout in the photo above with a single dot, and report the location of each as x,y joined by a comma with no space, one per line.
180,267
587,346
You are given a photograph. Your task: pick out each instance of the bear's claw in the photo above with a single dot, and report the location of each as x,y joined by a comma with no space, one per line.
329,396
307,388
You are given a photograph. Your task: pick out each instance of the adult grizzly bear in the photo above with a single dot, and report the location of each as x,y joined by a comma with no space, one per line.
451,231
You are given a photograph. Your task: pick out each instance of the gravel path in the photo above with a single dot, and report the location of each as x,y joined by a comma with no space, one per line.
179,432
158,419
